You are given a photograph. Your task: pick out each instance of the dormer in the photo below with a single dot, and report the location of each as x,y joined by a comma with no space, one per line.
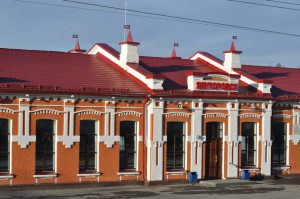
129,51
265,85
232,59
155,81
214,82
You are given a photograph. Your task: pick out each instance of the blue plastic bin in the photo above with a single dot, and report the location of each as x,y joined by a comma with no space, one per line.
193,177
245,174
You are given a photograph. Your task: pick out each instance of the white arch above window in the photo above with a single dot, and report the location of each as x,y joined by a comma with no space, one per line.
8,110
130,113
46,111
90,111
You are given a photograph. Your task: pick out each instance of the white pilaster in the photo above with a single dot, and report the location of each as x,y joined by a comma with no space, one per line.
109,137
266,139
24,138
68,138
197,139
233,109
155,146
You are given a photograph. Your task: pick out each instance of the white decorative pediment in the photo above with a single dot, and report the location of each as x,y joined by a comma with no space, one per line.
130,113
250,115
49,111
210,115
282,116
175,114
89,112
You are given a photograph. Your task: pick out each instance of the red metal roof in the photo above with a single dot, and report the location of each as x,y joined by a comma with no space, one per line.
176,71
63,71
285,80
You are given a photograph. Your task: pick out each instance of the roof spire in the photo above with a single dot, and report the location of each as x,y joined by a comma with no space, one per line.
77,46
173,53
129,40
232,47
129,37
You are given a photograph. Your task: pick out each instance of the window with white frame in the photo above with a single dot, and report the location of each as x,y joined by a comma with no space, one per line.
175,145
45,146
4,145
128,135
88,146
249,143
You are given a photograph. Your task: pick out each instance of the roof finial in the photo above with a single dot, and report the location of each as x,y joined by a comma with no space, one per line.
232,47
173,53
129,40
77,46
129,37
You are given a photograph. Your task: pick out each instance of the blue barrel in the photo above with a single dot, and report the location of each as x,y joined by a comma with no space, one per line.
245,174
193,177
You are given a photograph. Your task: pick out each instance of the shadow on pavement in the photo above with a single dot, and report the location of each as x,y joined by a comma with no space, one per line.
248,189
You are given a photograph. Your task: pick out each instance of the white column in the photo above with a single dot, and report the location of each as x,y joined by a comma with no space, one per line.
266,139
155,146
197,139
233,153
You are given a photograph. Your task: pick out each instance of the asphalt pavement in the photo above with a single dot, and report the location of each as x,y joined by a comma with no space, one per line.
223,189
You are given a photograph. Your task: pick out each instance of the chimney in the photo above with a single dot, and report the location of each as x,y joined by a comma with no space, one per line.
129,50
77,48
232,59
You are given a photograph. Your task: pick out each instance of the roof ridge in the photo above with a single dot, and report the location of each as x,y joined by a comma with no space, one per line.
164,57
269,66
40,51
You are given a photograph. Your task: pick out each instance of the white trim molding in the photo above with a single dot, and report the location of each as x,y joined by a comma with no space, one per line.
250,115
282,116
209,115
130,113
8,110
89,111
45,111
175,114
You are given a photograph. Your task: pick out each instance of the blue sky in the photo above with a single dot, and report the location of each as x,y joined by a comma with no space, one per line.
45,27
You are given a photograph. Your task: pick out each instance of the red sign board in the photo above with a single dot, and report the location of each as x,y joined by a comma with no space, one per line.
217,86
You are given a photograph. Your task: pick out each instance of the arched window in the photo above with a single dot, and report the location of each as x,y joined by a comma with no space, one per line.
175,145
279,134
88,146
4,145
44,145
249,145
128,145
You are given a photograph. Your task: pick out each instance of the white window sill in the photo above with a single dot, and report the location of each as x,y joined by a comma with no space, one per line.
250,169
6,176
45,175
280,168
130,173
176,172
88,174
